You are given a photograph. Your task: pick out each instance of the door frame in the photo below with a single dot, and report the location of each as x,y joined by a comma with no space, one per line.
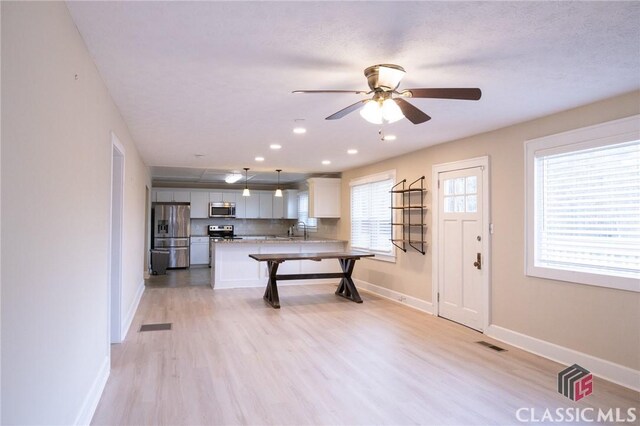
116,224
483,163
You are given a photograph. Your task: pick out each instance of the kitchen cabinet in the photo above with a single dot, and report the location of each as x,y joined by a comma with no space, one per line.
259,205
324,197
223,196
182,196
252,206
290,201
199,205
199,250
164,196
168,196
278,207
266,204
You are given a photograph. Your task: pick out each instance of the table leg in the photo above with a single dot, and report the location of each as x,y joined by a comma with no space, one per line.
347,288
271,292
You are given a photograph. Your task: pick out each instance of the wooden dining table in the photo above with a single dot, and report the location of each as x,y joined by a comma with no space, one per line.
347,260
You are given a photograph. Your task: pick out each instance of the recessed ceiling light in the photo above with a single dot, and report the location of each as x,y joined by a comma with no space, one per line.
299,130
352,151
275,146
326,162
259,158
389,137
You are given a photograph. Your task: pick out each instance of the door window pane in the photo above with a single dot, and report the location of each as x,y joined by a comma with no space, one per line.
472,185
449,205
459,204
459,184
472,203
448,187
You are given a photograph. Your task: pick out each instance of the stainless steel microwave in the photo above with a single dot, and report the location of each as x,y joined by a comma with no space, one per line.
222,209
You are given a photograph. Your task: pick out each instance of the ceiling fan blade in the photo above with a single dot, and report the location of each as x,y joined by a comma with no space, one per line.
346,110
470,94
331,91
412,113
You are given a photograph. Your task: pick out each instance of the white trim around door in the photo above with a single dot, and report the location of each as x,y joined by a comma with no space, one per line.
114,298
483,163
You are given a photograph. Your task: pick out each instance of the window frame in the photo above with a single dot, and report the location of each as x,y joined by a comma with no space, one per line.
308,226
600,135
376,177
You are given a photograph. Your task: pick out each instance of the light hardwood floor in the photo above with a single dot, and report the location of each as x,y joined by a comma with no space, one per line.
231,359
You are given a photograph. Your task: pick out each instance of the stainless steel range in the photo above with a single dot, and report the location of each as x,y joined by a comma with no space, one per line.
218,233
221,232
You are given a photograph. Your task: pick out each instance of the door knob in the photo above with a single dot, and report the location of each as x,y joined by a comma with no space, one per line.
478,262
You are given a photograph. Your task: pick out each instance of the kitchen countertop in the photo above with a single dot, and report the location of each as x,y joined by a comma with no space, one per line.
269,239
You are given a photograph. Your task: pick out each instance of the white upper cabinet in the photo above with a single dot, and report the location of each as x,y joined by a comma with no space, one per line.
199,205
278,206
266,204
290,198
182,196
324,197
252,205
169,196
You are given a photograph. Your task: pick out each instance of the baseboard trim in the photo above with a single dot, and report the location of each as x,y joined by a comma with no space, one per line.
126,324
395,296
92,398
607,370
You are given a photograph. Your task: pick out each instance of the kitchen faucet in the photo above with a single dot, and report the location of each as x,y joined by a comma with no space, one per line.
304,229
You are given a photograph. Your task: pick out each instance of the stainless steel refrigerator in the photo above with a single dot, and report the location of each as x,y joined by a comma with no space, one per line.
171,231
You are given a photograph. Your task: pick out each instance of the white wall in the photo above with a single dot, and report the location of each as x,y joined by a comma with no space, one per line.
600,322
55,167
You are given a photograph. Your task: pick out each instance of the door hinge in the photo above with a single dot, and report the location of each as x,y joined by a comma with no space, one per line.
438,297
438,183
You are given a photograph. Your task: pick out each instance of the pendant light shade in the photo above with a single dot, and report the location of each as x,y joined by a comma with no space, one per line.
245,191
278,190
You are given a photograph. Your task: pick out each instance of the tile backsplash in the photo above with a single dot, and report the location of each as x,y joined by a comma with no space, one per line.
327,228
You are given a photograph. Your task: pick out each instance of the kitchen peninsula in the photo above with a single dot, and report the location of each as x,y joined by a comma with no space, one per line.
231,266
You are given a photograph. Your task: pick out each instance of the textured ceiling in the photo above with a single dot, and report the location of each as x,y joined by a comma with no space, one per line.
215,78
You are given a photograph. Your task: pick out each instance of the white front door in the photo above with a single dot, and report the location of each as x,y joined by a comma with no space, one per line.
460,240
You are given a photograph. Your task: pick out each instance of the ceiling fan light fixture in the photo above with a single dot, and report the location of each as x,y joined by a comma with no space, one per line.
372,112
391,112
390,76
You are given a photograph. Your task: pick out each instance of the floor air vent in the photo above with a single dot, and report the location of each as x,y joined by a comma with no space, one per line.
155,327
491,346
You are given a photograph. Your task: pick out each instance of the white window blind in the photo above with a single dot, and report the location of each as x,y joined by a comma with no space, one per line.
587,210
371,216
303,212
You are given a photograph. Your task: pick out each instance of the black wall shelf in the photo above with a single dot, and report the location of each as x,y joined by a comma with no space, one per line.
410,205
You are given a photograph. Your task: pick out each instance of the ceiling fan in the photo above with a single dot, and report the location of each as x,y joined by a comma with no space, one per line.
384,107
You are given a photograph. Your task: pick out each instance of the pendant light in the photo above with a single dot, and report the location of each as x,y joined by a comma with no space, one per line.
245,192
278,190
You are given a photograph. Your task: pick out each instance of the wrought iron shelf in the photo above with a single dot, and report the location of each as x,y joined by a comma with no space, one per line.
404,191
411,214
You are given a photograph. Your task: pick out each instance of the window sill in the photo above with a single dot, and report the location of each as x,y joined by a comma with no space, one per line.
578,277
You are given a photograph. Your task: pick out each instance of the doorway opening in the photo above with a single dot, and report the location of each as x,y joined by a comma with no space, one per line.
115,272
461,242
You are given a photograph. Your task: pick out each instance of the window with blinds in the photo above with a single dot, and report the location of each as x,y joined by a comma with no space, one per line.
586,213
303,212
371,214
